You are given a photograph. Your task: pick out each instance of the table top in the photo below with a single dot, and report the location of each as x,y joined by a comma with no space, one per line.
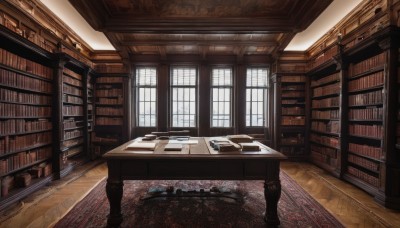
194,148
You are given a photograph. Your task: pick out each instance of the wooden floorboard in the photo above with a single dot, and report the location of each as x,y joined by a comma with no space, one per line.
350,205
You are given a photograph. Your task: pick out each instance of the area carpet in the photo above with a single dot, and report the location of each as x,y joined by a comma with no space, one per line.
296,207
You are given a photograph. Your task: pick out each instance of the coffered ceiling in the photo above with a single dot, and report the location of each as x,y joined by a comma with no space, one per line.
203,27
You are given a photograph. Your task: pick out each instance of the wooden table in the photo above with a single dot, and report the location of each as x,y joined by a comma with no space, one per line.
194,162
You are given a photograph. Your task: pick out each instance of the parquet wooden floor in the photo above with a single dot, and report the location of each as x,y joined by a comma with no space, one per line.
352,206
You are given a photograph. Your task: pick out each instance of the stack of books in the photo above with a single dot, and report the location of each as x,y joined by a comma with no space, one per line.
240,138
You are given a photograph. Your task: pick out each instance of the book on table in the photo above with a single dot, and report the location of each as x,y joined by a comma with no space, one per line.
147,146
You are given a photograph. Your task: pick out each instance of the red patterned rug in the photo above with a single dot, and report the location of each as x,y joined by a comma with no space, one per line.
296,207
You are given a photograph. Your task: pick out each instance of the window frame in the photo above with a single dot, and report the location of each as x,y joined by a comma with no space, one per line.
231,101
196,92
266,98
137,96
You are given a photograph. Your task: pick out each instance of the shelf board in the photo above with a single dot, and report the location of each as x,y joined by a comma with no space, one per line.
73,85
24,103
365,156
365,105
71,94
63,149
67,116
324,84
377,87
73,128
368,72
25,133
25,90
325,96
25,117
75,137
71,103
325,145
361,120
366,137
25,73
326,133
324,108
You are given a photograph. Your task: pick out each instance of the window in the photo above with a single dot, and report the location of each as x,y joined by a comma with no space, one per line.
256,91
221,93
184,100
146,97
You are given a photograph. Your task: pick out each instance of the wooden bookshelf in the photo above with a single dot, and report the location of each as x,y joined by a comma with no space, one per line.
290,107
325,118
26,125
73,115
365,117
109,113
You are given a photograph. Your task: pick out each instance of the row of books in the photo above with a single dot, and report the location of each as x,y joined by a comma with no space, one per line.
329,114
72,134
373,98
327,151
28,34
110,138
366,150
16,110
330,78
289,94
325,103
368,164
109,111
71,123
72,74
72,142
324,57
375,131
366,65
72,81
72,90
325,140
363,176
292,87
109,101
21,81
293,102
366,82
366,114
330,127
294,139
326,90
322,158
293,120
72,110
7,95
23,159
292,111
109,80
109,121
10,144
109,92
14,61
16,126
72,99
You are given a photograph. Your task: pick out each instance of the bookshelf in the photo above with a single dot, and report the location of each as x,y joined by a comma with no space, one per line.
90,112
325,118
73,116
109,113
26,124
291,112
365,112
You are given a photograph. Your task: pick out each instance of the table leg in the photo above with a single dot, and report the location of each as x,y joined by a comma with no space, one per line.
272,192
114,191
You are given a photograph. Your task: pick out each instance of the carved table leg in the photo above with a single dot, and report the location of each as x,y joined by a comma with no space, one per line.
114,194
272,192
